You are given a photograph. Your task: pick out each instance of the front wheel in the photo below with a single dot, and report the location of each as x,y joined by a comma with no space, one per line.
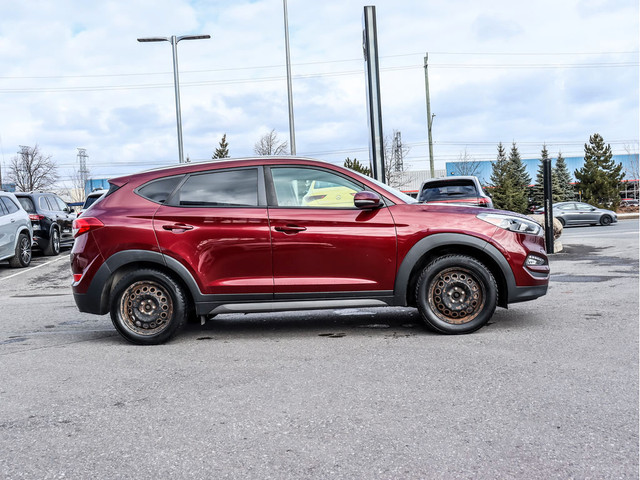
456,294
605,220
148,307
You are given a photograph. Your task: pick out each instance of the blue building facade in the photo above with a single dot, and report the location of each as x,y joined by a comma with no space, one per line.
532,164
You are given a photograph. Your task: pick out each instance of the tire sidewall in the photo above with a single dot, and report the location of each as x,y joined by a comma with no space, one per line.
18,261
605,220
481,273
174,291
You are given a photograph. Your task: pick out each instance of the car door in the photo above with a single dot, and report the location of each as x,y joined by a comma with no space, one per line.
568,212
327,246
587,213
64,218
216,225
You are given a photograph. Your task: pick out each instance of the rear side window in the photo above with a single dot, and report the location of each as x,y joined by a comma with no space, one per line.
3,209
9,205
27,204
229,188
158,190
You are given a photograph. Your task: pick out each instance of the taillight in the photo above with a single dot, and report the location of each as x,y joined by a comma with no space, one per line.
85,224
36,218
483,202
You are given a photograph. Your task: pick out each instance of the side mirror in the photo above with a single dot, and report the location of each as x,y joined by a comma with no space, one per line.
367,200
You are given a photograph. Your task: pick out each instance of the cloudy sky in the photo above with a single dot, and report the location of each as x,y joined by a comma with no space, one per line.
546,71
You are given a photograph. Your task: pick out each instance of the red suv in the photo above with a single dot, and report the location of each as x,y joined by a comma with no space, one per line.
200,239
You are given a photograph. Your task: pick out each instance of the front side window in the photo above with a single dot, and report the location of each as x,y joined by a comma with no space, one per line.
228,188
310,187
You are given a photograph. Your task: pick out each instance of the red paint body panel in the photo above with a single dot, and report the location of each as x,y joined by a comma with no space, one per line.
340,249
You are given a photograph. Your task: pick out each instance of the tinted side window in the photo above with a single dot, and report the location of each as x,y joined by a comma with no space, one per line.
229,188
310,187
3,209
8,203
27,204
159,190
44,204
60,204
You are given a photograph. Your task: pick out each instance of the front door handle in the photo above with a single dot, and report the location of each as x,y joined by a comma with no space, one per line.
177,227
289,229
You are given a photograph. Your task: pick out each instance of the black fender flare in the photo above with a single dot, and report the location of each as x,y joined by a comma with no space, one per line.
100,289
428,244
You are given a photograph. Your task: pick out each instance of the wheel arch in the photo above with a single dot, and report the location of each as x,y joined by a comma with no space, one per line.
437,245
119,264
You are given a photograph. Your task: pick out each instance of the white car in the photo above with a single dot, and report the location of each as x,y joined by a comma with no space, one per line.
91,199
16,232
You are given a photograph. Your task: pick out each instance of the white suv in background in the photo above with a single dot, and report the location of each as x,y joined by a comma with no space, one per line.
15,231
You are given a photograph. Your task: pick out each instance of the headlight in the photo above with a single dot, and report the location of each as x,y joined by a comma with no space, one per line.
515,224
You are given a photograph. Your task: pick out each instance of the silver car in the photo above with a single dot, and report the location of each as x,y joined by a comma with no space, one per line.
15,231
578,213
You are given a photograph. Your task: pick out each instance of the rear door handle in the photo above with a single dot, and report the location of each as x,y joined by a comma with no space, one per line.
178,227
290,229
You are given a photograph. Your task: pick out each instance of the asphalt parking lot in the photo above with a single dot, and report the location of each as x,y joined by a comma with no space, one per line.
548,390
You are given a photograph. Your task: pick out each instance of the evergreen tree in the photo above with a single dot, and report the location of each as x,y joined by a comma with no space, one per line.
600,177
357,166
510,180
537,191
223,150
563,178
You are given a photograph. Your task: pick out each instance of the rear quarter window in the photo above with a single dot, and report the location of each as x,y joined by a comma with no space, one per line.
158,190
27,204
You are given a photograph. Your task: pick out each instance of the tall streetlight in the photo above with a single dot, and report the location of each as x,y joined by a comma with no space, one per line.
173,40
292,128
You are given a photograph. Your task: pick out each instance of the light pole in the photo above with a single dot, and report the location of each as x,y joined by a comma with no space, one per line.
173,40
292,128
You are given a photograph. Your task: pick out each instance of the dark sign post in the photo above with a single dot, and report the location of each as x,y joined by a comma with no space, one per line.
374,109
548,204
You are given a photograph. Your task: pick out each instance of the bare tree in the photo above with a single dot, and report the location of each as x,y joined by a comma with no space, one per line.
466,165
30,170
270,144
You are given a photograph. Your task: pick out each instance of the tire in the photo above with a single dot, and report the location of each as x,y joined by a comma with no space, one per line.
605,220
22,258
561,220
456,294
148,307
53,247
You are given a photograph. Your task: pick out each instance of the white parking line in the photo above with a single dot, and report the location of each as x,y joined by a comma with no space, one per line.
33,268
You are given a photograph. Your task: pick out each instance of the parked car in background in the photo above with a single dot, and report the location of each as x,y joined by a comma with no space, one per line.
201,239
51,219
579,213
464,190
628,202
15,231
91,199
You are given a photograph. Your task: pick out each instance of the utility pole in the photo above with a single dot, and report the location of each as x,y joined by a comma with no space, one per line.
84,173
429,115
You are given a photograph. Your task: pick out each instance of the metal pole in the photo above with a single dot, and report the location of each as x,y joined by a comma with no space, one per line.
176,82
176,85
292,129
548,204
429,116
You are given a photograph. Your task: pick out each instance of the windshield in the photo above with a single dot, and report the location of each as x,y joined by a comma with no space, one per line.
403,196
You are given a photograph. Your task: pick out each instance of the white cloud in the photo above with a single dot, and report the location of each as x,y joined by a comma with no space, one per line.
73,75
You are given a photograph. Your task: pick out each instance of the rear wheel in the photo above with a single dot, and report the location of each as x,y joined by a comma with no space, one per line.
456,294
148,307
22,258
561,220
53,248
